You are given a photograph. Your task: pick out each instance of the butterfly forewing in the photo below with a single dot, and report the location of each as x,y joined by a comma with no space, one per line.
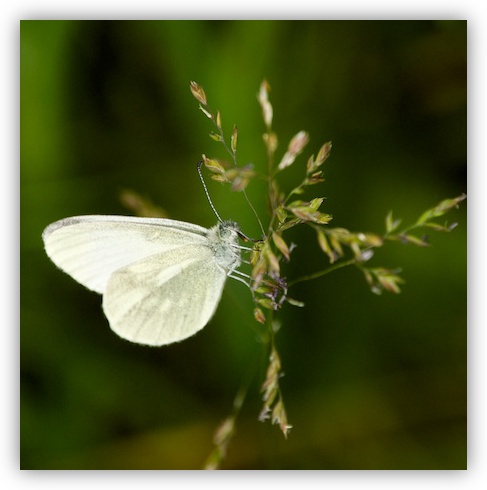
92,248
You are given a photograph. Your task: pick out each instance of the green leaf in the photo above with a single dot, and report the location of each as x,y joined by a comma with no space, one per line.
370,239
310,165
259,315
380,279
295,302
316,203
322,218
234,139
266,303
220,178
325,245
272,261
281,245
414,240
323,154
214,166
390,283
308,211
295,147
289,224
198,92
281,214
440,209
335,243
438,227
314,179
215,136
391,225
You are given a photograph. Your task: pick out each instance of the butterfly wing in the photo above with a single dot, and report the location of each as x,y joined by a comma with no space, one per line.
164,298
91,248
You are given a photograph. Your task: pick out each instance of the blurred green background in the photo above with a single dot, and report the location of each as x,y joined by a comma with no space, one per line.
371,382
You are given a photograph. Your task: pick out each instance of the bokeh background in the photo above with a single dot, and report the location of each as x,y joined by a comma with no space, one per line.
371,382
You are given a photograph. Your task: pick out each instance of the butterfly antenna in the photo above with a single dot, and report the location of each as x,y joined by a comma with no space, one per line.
242,236
206,191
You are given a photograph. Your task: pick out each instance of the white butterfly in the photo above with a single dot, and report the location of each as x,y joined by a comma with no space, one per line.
161,279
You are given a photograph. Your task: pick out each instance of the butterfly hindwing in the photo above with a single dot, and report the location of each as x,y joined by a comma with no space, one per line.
165,298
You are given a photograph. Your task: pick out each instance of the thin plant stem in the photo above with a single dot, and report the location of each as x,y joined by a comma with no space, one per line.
323,272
